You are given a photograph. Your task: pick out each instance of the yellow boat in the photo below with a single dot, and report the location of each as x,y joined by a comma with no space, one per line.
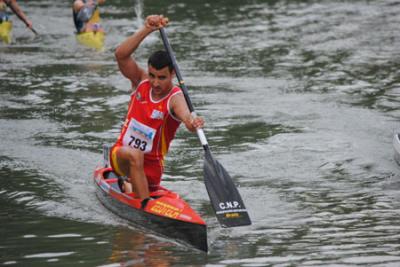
92,39
5,31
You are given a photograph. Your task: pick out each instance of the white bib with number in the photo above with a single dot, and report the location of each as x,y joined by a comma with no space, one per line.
139,136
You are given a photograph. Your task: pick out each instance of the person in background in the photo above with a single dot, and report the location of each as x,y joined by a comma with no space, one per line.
86,15
155,111
5,23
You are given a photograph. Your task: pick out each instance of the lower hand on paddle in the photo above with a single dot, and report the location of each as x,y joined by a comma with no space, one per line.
28,24
196,123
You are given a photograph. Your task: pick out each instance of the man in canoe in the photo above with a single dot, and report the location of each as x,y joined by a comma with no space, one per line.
5,24
85,17
155,111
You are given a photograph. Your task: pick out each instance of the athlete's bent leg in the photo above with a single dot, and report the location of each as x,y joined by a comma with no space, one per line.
131,162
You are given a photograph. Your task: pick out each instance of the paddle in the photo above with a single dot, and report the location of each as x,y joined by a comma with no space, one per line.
225,198
20,17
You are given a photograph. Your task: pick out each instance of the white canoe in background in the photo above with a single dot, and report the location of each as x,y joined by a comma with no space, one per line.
396,145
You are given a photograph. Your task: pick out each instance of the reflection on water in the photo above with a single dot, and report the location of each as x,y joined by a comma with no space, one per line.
132,248
300,100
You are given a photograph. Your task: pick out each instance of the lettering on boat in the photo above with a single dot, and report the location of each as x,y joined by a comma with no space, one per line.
229,205
166,210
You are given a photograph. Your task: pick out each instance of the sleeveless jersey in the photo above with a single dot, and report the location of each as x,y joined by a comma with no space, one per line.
149,126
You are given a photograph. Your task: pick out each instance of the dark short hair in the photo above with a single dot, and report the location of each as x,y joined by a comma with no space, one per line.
160,59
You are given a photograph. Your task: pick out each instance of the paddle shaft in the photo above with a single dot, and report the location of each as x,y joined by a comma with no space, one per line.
167,45
225,198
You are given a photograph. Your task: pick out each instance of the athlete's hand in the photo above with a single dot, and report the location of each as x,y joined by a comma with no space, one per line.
197,122
28,24
155,22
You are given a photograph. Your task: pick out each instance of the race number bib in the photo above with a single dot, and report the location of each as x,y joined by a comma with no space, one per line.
139,136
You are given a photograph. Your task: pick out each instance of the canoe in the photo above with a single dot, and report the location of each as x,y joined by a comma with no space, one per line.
92,39
167,214
396,145
5,31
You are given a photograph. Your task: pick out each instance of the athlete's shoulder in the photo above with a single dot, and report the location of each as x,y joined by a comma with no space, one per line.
143,84
176,89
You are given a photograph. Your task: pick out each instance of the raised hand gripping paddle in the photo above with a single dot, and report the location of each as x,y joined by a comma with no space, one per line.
225,198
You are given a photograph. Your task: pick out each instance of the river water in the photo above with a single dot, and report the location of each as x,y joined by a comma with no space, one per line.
300,100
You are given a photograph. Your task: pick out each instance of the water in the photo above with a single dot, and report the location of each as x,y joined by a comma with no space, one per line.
301,101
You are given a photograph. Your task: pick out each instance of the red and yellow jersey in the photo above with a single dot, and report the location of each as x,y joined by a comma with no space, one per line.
149,125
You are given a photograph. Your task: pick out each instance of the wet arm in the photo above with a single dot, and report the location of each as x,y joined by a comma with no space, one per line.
181,111
126,63
17,10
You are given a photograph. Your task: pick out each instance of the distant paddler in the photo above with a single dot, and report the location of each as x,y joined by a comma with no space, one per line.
5,22
87,23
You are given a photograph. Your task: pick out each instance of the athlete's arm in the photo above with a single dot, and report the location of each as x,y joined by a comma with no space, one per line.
180,110
126,63
17,10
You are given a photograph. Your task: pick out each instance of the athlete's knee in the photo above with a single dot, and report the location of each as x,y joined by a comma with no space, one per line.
135,158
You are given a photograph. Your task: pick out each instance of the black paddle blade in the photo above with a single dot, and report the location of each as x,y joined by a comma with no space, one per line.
225,198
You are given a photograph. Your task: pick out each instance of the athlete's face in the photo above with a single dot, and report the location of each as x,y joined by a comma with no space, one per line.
160,80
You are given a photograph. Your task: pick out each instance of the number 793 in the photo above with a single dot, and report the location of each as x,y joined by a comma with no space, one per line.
137,143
